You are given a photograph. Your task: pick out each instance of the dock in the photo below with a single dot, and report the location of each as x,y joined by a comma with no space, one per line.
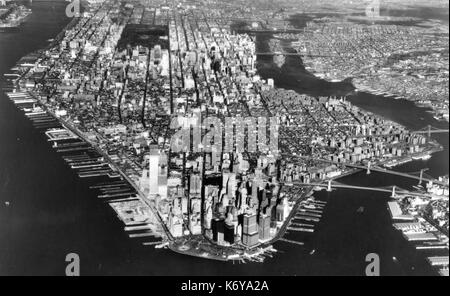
291,241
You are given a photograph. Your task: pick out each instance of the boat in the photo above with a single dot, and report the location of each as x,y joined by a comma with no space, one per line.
360,210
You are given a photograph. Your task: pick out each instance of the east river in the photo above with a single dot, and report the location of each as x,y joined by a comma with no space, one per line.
52,212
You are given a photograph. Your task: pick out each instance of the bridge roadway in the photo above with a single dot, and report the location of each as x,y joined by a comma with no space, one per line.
289,54
435,131
391,172
378,169
379,189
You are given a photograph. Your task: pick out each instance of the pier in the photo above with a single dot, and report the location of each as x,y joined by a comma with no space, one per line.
291,241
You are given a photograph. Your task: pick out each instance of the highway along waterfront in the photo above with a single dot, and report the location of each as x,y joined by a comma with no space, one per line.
53,212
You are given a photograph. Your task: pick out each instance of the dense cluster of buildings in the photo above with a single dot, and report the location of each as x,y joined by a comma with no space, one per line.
123,88
413,65
332,129
153,86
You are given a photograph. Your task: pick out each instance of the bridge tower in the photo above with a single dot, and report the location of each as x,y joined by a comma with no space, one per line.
329,186
368,168
393,192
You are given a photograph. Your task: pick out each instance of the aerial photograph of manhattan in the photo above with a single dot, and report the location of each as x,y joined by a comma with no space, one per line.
224,138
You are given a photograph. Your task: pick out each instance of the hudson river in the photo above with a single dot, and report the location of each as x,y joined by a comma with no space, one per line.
52,212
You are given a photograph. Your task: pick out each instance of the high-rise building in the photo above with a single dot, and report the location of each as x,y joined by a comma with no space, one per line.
282,210
165,66
176,226
153,171
220,238
208,217
255,191
212,193
217,225
250,235
229,233
250,224
210,200
194,224
232,185
184,205
250,240
162,175
154,179
195,184
264,227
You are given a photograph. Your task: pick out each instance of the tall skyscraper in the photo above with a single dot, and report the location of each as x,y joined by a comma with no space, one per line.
282,210
229,233
163,165
195,184
264,227
153,171
250,235
217,225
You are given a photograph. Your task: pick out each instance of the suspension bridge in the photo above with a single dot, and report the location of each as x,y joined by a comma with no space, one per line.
329,185
369,168
275,53
429,130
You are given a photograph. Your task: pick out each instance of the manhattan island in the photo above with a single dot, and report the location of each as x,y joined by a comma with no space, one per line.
125,78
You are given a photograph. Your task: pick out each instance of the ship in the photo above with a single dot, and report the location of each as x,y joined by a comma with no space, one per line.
14,15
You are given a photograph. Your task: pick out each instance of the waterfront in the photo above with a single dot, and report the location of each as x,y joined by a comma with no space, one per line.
53,212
